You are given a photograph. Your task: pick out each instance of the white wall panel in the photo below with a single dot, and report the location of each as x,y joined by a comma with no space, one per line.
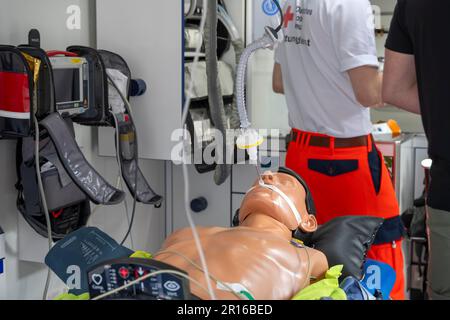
148,34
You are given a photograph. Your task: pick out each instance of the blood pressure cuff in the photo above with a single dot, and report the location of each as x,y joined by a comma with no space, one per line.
345,241
76,165
83,248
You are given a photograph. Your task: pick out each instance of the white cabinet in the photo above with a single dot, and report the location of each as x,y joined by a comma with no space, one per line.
217,212
148,35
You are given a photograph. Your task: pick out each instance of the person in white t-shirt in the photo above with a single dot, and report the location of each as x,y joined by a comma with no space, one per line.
327,68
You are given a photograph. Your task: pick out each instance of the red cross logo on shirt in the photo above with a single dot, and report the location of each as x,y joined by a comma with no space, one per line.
288,17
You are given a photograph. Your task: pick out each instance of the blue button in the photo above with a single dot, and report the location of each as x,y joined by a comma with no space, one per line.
269,7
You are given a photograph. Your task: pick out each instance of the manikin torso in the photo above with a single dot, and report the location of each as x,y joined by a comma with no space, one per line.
258,255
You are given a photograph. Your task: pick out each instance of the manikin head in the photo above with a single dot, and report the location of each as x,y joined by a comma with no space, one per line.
284,198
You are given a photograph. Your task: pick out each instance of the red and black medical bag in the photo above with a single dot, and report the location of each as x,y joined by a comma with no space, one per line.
25,89
16,93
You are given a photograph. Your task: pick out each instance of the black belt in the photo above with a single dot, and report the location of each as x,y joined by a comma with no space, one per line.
324,141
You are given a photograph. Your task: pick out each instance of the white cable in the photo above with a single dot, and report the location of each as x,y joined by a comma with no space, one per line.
127,212
129,109
143,278
119,176
199,268
44,202
184,165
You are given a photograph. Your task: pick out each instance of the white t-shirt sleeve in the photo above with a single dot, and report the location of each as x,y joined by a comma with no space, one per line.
352,30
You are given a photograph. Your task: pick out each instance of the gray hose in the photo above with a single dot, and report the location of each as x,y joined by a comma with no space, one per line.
239,47
193,7
215,98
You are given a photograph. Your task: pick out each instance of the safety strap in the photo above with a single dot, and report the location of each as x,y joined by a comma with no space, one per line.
144,192
130,165
82,173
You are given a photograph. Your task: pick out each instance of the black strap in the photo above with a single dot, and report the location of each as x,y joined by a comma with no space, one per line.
20,202
82,173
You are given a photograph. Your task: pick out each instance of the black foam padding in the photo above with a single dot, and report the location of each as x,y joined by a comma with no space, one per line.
345,241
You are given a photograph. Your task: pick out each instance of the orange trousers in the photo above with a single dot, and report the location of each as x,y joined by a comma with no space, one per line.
343,182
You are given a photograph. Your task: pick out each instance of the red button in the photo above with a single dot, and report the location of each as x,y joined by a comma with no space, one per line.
124,273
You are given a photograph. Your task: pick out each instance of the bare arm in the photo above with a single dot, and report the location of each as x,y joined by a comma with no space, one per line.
277,79
400,81
367,83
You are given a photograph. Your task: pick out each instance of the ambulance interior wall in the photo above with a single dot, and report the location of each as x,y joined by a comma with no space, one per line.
25,280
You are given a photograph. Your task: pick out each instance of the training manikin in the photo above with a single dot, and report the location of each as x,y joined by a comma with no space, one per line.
257,258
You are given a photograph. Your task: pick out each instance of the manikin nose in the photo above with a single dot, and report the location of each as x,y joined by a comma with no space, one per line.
268,177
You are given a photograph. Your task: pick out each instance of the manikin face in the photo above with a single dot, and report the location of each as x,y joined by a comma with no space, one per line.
281,197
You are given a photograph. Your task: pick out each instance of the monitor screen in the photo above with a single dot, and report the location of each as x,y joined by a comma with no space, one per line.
67,85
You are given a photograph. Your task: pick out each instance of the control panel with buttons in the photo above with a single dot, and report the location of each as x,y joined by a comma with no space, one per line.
119,272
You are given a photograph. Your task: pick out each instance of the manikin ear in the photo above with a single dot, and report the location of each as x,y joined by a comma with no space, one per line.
309,225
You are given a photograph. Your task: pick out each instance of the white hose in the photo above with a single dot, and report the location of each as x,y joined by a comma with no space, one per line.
265,42
228,23
187,104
